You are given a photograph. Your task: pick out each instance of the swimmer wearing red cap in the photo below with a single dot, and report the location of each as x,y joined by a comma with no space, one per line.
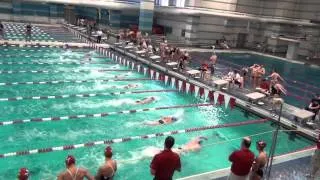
23,174
109,168
260,161
73,172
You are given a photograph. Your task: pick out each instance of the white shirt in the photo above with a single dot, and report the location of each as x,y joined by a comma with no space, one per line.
238,77
231,75
99,33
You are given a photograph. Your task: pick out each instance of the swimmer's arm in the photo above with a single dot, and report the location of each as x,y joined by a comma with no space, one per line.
60,176
87,174
99,173
155,123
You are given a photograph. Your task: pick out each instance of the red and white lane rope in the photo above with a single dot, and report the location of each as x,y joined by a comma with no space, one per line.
97,115
73,81
84,95
54,63
126,139
69,71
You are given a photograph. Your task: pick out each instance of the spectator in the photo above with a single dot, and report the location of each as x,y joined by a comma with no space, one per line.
1,28
23,174
99,33
107,171
313,107
260,161
265,86
166,162
317,98
241,161
315,162
73,172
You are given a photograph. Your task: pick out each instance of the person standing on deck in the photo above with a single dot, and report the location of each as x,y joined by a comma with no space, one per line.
260,162
241,161
1,28
99,33
166,162
73,172
107,171
28,32
315,162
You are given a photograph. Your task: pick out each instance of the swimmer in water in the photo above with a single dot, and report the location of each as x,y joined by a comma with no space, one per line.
163,120
131,86
193,145
121,76
146,100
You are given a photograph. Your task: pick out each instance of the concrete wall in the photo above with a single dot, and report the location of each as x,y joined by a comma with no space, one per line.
16,10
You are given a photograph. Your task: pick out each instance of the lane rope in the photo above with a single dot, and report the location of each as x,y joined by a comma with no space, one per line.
54,63
126,139
223,142
97,115
74,81
69,71
83,95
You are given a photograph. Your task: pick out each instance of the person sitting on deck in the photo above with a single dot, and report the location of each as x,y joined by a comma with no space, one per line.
163,120
314,107
265,87
73,172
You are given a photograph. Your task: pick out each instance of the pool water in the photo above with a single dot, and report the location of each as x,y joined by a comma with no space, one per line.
133,156
302,81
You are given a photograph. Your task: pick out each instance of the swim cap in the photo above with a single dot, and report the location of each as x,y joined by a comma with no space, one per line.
261,144
23,174
108,149
108,152
70,160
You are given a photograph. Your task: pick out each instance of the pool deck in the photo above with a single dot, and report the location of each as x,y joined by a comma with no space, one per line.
295,165
286,120
50,44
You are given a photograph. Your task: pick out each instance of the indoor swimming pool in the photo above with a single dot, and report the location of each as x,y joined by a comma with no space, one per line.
43,82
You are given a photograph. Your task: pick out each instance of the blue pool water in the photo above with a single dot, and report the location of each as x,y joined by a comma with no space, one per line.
133,156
